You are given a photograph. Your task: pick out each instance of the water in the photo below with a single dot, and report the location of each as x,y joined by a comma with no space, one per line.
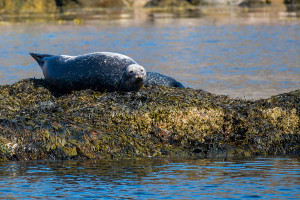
259,178
247,53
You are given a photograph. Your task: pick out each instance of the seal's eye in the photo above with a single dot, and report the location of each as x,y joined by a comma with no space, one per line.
130,71
142,70
42,62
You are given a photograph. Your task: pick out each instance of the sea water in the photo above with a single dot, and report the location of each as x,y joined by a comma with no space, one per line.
246,53
155,178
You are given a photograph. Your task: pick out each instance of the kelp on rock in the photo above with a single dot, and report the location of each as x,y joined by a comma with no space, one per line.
37,123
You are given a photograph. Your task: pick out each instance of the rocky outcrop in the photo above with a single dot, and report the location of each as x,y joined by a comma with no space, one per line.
50,6
253,3
27,6
39,124
292,2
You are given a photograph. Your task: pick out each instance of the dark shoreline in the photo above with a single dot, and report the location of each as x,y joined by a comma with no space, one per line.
51,6
37,124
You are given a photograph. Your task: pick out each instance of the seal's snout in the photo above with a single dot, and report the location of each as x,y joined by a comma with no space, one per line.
139,78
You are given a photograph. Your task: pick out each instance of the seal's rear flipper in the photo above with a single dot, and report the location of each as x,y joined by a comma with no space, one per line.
38,56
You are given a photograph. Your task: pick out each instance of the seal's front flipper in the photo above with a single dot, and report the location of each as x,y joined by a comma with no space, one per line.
178,84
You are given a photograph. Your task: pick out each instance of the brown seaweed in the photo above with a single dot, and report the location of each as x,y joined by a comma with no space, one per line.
37,124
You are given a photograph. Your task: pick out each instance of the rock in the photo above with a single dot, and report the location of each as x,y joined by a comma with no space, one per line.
39,124
140,3
295,2
27,6
103,3
167,3
252,3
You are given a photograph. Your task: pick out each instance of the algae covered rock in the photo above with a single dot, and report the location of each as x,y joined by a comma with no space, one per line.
27,6
253,3
167,3
49,6
37,123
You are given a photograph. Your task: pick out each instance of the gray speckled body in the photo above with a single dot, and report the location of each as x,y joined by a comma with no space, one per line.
157,79
103,71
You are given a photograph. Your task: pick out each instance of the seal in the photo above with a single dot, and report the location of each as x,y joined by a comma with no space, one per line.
103,71
157,79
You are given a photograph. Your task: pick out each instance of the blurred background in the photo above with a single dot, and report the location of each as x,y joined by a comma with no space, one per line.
241,48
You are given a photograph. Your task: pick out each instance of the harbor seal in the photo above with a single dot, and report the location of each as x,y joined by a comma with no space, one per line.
103,71
157,79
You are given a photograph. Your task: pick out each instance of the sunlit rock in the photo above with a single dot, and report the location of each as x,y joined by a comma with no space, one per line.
37,123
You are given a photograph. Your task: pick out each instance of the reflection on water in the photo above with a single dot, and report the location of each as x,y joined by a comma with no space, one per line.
252,53
260,178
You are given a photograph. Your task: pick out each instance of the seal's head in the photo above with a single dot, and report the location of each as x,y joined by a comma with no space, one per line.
133,78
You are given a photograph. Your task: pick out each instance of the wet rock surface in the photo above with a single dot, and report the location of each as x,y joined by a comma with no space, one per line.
37,123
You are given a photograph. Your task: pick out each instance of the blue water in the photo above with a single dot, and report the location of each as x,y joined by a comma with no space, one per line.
258,178
251,55
229,51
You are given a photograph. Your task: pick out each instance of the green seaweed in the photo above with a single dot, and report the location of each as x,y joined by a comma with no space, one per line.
38,123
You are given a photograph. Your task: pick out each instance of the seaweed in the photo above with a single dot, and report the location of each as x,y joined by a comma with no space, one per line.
37,123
